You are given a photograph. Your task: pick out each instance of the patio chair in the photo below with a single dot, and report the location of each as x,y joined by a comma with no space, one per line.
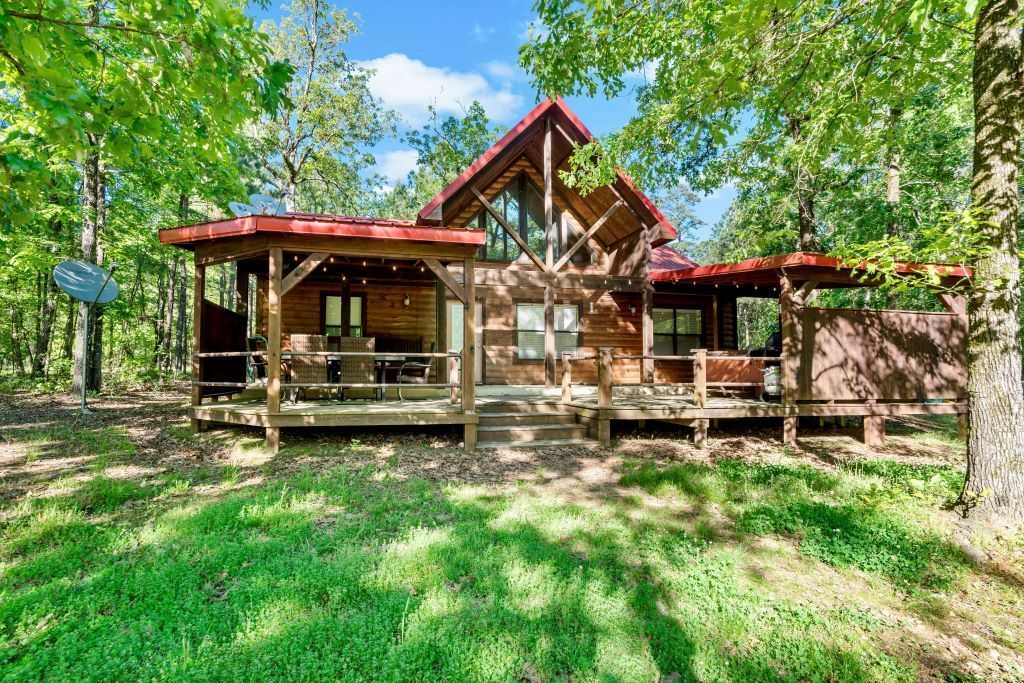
256,369
415,372
356,369
308,369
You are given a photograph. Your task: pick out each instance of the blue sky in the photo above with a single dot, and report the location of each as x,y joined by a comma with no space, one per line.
450,53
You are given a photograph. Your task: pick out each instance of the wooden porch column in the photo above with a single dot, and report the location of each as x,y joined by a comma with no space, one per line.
791,338
198,292
874,430
242,293
549,335
549,209
604,393
647,333
275,267
346,309
441,326
469,348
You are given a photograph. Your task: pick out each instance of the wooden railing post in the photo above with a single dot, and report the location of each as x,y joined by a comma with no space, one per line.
604,377
453,378
566,377
275,271
700,377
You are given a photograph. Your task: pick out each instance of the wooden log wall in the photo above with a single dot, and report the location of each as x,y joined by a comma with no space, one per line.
386,314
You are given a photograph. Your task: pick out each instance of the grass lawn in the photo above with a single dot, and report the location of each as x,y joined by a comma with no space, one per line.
131,550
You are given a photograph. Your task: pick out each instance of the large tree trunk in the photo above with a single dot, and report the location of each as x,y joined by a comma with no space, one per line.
96,343
995,442
804,191
168,321
46,318
90,225
893,193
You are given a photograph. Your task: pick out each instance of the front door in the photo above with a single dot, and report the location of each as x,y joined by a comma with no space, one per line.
455,322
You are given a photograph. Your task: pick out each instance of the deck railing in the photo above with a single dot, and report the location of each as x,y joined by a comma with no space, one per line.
606,359
453,383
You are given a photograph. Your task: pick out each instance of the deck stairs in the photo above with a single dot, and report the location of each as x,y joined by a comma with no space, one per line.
533,424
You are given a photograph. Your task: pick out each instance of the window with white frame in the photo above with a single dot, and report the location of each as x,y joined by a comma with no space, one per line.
332,316
677,331
530,330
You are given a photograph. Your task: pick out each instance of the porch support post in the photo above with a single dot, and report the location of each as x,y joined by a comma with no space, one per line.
549,211
549,335
874,430
604,394
275,267
469,348
198,291
647,333
242,293
346,309
714,323
441,331
791,338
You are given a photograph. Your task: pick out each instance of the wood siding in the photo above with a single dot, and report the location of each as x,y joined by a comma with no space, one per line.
886,355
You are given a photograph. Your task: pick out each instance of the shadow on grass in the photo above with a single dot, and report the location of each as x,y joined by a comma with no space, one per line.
351,574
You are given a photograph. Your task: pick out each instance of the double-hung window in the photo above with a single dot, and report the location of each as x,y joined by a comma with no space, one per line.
677,331
530,330
332,316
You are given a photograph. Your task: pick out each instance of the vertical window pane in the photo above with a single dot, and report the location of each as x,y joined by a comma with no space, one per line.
566,318
663,345
355,313
535,236
530,317
663,320
688,321
530,345
686,344
332,311
457,314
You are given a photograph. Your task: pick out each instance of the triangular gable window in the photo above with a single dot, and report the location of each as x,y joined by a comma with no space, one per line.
521,204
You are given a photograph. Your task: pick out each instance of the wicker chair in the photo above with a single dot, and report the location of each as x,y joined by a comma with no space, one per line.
356,369
308,369
415,372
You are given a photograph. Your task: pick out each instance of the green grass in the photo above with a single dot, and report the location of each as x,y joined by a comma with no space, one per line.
354,574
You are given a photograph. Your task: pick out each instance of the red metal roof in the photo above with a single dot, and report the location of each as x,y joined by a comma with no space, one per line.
313,224
667,258
765,270
511,136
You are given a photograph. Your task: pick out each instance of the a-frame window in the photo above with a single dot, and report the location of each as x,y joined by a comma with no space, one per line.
521,204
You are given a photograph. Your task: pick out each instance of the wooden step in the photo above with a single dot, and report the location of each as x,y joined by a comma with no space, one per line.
545,443
524,434
515,418
552,406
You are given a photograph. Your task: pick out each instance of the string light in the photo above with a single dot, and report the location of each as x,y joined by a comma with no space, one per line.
332,259
364,280
394,267
364,263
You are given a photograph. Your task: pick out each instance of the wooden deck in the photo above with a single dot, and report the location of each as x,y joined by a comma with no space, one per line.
253,412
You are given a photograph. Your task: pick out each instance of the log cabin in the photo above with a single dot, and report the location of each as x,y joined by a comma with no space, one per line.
530,314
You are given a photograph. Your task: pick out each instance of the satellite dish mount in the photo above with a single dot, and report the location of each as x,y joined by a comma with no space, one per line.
92,285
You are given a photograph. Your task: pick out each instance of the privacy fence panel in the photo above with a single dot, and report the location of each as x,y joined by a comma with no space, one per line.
883,355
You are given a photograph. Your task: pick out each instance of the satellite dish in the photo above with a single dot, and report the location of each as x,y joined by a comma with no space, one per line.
240,210
86,281
89,283
264,204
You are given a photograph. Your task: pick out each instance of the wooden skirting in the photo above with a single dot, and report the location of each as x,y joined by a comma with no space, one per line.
253,413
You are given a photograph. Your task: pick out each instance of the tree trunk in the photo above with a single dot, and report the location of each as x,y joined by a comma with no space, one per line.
96,359
90,182
804,191
995,441
168,322
46,318
893,195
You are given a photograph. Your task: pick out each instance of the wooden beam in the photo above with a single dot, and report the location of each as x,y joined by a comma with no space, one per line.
445,276
954,303
275,263
789,312
299,273
587,235
800,297
549,209
647,333
549,335
512,233
198,291
469,350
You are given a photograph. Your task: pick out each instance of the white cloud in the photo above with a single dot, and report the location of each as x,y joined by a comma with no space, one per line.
395,165
503,71
480,33
408,86
645,72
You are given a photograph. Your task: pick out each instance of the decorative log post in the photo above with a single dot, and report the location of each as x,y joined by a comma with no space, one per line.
700,377
453,378
275,265
549,335
874,430
566,377
199,291
647,332
469,346
791,333
604,394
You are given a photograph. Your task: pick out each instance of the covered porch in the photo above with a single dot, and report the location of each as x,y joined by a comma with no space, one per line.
332,321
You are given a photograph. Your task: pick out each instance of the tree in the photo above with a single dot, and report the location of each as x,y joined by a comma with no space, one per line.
314,151
838,71
444,148
103,84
